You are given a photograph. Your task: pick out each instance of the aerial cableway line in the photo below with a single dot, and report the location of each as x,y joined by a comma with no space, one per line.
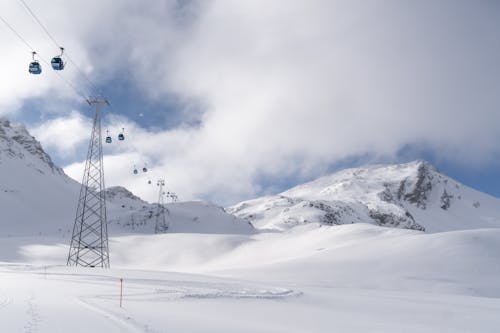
33,65
93,88
89,241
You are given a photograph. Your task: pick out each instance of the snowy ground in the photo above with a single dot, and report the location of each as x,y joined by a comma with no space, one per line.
54,299
350,278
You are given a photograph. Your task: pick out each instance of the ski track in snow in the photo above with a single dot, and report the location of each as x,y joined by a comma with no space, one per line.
34,317
171,290
4,301
124,322
172,294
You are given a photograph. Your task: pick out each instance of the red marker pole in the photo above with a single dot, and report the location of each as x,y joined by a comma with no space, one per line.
121,291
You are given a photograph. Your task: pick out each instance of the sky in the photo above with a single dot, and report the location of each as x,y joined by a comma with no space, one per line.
230,100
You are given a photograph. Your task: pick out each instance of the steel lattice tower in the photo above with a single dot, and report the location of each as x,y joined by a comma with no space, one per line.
89,242
161,223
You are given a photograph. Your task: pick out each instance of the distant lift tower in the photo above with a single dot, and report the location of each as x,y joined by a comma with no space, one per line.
89,243
161,223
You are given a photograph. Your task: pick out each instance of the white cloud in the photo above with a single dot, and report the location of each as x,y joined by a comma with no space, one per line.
290,86
64,134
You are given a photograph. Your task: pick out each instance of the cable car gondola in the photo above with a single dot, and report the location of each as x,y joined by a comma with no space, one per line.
35,67
108,137
121,136
57,63
135,171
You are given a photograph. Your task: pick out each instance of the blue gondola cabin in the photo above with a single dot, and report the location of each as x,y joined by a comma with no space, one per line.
35,68
57,64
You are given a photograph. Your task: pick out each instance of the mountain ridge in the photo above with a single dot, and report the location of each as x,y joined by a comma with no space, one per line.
409,195
38,195
16,141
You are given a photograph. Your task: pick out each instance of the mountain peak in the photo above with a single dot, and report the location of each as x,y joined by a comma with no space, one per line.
120,192
423,164
412,195
17,143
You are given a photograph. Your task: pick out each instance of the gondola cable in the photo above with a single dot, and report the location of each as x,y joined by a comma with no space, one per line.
25,5
93,87
32,49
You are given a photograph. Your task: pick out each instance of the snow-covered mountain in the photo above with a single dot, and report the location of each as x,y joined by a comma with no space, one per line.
38,198
129,213
35,195
412,196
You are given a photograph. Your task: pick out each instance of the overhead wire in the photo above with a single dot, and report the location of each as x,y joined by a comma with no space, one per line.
25,5
68,82
32,49
93,87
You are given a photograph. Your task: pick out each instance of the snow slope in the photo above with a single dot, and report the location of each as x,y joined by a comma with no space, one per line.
413,196
58,299
354,278
349,256
38,198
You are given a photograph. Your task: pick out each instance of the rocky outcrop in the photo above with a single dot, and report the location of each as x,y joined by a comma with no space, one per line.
333,213
405,221
446,200
421,189
15,142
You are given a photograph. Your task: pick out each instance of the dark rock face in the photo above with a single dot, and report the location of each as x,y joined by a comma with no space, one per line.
333,215
446,200
425,182
423,187
392,220
387,194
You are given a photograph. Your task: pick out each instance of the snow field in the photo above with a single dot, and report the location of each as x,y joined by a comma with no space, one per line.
348,256
60,299
311,278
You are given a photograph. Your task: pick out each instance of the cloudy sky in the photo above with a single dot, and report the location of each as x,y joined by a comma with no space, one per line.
228,100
